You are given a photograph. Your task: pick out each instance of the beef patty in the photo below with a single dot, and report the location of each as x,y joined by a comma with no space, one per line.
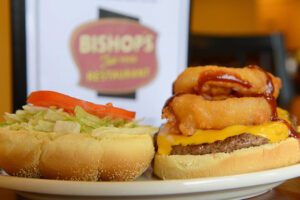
228,145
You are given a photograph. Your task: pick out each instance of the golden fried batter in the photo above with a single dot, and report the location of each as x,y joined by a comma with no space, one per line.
240,82
188,112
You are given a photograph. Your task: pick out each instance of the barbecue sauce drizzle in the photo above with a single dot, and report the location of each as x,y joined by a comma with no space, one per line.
222,77
268,94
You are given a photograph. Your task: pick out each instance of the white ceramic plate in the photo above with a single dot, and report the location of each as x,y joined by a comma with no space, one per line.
227,187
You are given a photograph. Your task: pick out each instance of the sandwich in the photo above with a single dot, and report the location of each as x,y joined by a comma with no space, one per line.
56,136
223,121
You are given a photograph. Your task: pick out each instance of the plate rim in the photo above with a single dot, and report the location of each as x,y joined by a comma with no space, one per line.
149,187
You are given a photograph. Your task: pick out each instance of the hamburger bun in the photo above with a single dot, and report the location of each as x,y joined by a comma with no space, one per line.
56,136
240,161
84,156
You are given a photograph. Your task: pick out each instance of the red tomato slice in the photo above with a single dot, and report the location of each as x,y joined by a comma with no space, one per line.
51,98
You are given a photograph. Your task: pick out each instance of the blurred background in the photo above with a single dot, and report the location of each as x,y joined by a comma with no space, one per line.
224,32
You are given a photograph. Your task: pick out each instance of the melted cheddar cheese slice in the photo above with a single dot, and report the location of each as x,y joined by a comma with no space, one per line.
273,131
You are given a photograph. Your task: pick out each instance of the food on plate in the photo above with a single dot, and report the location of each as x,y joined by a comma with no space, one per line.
56,136
244,81
189,112
223,121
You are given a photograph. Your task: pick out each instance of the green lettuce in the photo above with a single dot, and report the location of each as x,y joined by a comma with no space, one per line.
57,120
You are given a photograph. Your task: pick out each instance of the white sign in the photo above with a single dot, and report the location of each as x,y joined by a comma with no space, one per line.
53,65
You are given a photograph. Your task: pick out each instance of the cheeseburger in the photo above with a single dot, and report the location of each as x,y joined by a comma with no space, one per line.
56,136
223,121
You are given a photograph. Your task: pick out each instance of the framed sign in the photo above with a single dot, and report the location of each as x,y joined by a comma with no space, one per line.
124,52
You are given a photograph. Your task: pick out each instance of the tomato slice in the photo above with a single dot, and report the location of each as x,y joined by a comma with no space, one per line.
68,103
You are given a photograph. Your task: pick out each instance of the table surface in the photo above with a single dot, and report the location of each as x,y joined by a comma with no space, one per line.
289,190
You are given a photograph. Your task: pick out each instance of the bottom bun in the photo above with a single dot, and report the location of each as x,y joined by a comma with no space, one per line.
112,157
268,156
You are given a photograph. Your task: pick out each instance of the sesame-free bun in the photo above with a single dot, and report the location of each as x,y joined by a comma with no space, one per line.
268,156
84,157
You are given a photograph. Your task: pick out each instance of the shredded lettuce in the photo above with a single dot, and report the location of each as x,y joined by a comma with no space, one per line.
4,124
66,127
57,120
43,125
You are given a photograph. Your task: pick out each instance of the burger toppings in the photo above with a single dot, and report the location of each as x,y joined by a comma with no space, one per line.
49,111
228,145
272,131
218,109
68,104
